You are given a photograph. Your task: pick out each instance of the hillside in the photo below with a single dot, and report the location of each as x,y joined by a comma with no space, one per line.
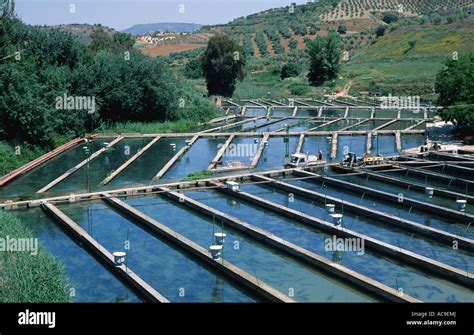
83,30
403,60
143,29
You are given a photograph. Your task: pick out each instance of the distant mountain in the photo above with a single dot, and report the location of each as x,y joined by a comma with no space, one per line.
143,29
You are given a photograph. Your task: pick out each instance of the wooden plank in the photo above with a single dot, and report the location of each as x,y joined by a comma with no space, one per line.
416,186
384,125
80,165
173,160
422,262
220,152
300,144
259,287
38,161
373,214
295,110
394,198
106,258
259,152
369,143
311,258
125,165
398,141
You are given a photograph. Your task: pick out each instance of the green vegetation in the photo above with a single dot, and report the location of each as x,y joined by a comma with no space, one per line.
390,17
289,70
455,86
198,175
26,277
324,53
223,65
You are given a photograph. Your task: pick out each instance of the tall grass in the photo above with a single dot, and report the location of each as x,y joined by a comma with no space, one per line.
25,277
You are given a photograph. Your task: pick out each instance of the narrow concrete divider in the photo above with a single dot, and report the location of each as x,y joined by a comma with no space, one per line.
103,255
173,160
446,212
365,283
259,152
415,186
398,141
221,152
299,147
421,262
125,165
384,218
80,165
241,277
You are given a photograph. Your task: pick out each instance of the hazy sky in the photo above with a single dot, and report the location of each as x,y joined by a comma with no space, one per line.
121,14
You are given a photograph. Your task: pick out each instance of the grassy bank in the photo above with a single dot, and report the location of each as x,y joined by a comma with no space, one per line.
25,277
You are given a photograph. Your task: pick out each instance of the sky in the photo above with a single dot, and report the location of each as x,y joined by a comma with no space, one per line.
121,14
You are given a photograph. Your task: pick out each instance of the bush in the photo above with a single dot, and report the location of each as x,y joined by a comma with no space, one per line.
193,68
390,17
341,29
293,44
380,31
289,70
299,89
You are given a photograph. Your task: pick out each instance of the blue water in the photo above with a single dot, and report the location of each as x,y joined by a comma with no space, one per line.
268,265
89,281
380,268
164,267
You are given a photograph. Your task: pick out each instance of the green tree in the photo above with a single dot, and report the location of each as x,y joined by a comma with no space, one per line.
390,17
324,53
289,70
293,43
342,29
223,65
193,68
455,86
380,31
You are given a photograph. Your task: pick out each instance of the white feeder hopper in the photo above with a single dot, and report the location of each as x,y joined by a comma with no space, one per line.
219,238
429,191
337,219
329,139
330,208
173,146
188,142
265,143
215,251
232,185
119,258
461,204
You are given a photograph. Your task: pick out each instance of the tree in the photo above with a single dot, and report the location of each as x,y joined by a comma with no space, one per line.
223,65
342,29
193,68
289,70
455,84
324,53
380,31
292,43
390,17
